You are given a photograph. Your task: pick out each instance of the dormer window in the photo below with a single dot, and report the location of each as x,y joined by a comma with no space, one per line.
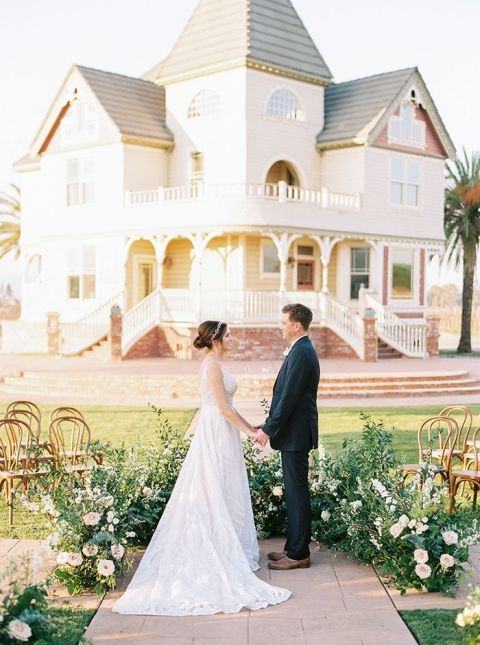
204,103
284,104
405,129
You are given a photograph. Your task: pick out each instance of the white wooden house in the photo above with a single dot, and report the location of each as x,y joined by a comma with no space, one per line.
235,175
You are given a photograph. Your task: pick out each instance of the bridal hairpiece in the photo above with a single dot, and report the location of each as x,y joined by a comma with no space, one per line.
217,329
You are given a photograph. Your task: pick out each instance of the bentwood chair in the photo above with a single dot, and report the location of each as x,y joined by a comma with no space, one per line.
441,431
70,440
464,419
469,474
65,411
25,405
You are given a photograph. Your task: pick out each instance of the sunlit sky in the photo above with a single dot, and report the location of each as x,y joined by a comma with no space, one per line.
41,39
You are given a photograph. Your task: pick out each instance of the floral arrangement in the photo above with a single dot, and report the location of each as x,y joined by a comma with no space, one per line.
23,608
469,617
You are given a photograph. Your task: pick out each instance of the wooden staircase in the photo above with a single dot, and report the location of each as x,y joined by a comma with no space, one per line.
385,351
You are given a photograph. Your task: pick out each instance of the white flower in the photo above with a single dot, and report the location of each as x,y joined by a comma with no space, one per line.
117,551
460,620
425,520
111,528
62,558
403,520
277,491
75,559
420,556
356,505
91,519
147,492
447,561
396,530
130,534
105,567
18,630
423,571
110,516
53,539
393,507
108,500
450,537
325,515
115,520
412,524
90,549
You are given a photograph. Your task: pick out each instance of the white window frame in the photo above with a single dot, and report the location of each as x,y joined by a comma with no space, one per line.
405,160
80,124
81,271
409,140
395,300
197,176
268,274
351,272
206,102
84,180
299,114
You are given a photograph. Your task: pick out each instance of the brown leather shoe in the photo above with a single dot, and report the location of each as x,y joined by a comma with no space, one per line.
287,563
276,555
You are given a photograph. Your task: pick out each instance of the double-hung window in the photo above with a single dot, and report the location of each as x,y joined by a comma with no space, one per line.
405,129
359,270
402,273
270,261
405,182
80,181
81,272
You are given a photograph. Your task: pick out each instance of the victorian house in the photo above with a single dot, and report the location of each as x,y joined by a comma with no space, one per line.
232,177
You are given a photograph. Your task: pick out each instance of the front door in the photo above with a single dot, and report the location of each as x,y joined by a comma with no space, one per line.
305,274
144,277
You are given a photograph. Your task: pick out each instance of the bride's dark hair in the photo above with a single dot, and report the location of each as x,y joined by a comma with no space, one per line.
209,331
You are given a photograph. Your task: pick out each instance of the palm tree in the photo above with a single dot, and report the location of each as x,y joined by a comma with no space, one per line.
10,222
462,230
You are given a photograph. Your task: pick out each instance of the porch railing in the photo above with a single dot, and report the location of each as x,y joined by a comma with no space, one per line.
85,332
281,192
408,338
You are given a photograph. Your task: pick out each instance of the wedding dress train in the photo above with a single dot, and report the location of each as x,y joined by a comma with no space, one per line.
203,553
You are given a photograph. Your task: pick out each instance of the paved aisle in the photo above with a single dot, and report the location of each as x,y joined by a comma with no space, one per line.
335,602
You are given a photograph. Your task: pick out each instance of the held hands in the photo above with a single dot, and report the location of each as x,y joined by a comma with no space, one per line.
260,437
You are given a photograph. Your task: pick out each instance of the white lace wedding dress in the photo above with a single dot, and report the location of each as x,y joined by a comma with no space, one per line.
203,553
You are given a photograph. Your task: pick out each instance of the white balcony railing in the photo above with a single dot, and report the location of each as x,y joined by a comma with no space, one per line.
280,192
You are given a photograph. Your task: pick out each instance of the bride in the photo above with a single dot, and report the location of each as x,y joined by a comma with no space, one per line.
203,553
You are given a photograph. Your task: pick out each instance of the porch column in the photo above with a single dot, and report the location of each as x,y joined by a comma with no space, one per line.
161,243
200,242
324,262
283,243
326,245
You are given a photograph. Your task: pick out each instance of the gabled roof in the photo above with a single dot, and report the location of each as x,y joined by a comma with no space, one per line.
267,34
137,107
356,111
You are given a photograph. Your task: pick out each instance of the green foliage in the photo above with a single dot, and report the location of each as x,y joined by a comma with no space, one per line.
435,626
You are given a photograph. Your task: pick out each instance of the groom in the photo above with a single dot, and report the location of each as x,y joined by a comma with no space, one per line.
292,428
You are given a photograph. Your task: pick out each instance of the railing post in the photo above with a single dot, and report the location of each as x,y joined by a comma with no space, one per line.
282,191
115,333
161,193
361,300
433,335
54,333
370,343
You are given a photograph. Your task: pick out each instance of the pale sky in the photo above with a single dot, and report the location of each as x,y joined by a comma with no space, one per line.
41,39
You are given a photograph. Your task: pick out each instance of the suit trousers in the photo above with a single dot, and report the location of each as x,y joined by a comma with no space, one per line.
297,498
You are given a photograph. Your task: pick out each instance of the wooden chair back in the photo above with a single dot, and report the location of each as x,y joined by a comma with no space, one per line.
65,411
16,442
472,456
70,439
28,417
24,405
439,430
464,418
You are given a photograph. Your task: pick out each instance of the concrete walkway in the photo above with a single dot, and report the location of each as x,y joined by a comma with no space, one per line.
335,602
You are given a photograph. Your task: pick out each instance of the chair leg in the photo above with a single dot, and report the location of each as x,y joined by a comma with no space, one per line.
10,503
475,491
453,492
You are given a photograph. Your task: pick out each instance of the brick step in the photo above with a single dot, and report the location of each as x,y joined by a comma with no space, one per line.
385,351
405,385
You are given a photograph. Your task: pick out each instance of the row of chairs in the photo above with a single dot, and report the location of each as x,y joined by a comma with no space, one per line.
450,444
24,455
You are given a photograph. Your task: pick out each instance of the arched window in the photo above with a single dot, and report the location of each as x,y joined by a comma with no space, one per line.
204,103
284,104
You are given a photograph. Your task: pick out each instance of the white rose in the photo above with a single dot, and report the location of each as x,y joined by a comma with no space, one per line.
277,491
18,630
130,534
396,530
105,567
425,520
403,520
147,492
447,561
75,559
412,524
420,556
62,558
91,519
356,505
460,620
450,537
108,500
110,516
423,571
325,515
90,549
117,551
111,528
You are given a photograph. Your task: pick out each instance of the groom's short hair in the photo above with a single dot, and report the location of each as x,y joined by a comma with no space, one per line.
299,313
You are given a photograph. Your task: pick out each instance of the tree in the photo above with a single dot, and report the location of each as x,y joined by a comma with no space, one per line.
10,222
462,230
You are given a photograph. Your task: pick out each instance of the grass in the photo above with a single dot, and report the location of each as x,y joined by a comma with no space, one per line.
70,624
452,353
434,626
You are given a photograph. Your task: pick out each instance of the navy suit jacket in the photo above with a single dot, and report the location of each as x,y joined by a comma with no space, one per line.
292,423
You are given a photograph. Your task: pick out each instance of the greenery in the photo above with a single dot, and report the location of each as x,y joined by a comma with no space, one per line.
10,222
469,618
462,231
69,624
435,626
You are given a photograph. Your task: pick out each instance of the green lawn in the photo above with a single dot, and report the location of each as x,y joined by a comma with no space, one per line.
70,624
435,626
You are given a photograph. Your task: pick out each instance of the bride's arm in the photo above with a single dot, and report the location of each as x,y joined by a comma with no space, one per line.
215,379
